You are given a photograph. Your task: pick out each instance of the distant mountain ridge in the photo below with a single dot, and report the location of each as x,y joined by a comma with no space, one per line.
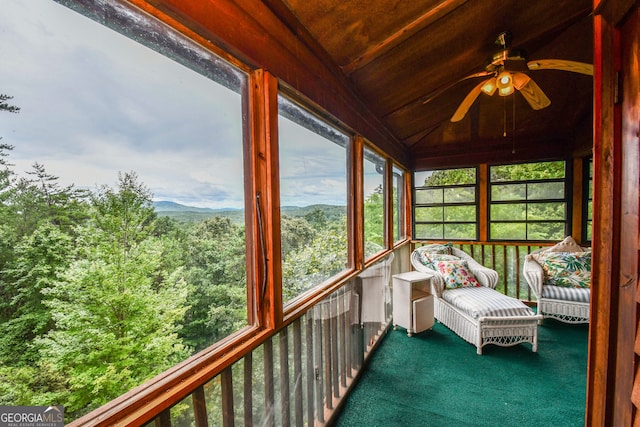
192,214
167,206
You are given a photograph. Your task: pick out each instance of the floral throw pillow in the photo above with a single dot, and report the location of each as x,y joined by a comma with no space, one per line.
565,269
429,259
456,274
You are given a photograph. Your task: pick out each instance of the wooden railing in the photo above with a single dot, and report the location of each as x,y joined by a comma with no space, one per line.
507,258
299,376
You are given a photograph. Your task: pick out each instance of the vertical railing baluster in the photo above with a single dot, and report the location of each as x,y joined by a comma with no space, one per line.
164,419
199,407
335,377
311,376
248,389
505,270
319,373
484,255
269,398
347,329
341,334
357,330
326,332
528,252
297,372
493,257
284,377
516,250
226,381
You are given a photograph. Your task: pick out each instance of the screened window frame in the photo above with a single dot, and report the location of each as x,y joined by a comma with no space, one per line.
475,204
386,198
291,308
566,200
401,200
138,26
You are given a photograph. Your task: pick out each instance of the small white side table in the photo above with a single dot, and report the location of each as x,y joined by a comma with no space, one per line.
412,302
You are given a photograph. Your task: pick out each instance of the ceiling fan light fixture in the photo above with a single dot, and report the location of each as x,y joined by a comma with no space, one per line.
489,87
505,91
504,82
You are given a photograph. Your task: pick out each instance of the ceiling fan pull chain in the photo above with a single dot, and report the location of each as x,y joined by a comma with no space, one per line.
504,113
513,125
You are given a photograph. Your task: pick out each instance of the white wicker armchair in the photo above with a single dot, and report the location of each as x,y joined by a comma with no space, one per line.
569,305
503,321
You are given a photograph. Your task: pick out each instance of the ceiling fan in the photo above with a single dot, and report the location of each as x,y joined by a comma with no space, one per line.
508,70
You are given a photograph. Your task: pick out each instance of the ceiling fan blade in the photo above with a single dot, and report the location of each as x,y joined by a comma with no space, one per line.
520,80
535,96
561,64
430,97
468,101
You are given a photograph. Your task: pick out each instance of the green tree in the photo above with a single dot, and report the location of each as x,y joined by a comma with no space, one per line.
317,218
116,309
40,198
216,273
374,221
38,261
298,232
36,248
7,213
320,259
451,176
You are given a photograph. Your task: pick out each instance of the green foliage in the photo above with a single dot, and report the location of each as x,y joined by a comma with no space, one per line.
115,303
450,176
374,222
310,265
39,198
297,232
93,290
216,272
527,171
38,260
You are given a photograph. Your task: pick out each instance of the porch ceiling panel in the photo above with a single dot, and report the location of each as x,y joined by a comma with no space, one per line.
399,54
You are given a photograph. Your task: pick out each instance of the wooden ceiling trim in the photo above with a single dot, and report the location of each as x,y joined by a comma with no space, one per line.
432,15
492,152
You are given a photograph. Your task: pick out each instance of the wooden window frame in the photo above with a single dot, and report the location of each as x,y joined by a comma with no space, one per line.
476,204
566,200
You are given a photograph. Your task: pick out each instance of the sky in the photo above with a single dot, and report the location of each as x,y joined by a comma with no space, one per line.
94,104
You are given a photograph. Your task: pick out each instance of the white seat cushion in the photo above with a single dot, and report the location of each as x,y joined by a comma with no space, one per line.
482,302
566,294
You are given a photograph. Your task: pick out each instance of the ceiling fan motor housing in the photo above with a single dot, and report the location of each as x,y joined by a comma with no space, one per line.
509,60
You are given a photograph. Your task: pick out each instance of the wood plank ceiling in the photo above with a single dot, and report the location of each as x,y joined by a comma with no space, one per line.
398,54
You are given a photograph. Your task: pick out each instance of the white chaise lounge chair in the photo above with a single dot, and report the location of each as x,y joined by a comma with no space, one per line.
467,303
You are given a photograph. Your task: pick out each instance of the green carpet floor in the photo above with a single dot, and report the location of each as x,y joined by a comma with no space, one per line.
436,379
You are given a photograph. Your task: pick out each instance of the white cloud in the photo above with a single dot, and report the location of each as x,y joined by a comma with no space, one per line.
94,103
